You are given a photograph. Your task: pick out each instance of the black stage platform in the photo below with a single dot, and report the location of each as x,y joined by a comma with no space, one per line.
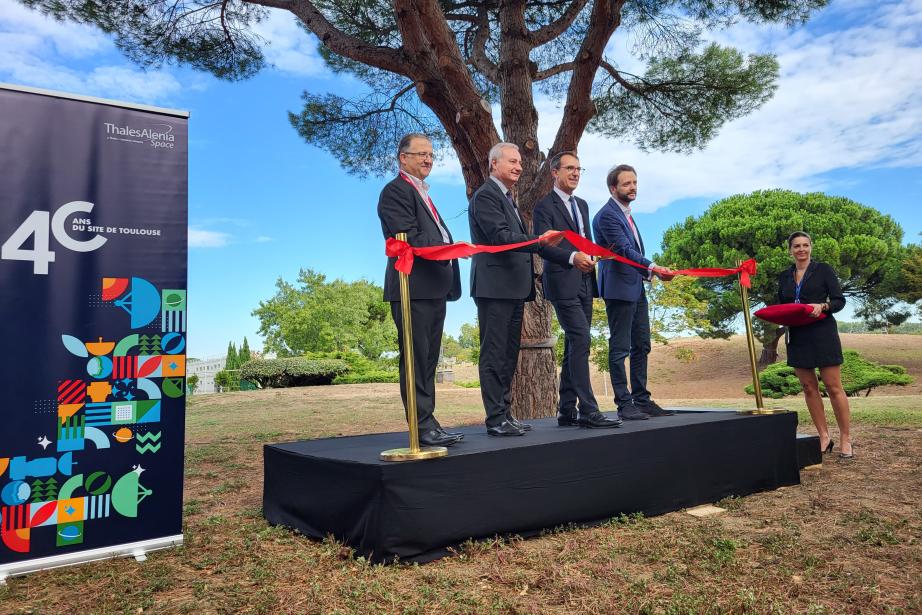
551,476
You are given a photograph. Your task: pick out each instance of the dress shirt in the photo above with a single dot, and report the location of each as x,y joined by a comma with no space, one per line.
508,192
626,210
579,218
423,189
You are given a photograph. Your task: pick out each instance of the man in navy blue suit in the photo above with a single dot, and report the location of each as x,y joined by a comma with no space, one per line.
622,288
569,284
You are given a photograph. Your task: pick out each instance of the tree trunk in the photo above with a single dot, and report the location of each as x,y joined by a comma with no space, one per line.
534,387
770,349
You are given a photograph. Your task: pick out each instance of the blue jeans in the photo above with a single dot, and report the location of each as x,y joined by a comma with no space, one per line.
629,336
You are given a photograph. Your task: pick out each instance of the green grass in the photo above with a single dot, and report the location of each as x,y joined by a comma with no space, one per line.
880,411
468,384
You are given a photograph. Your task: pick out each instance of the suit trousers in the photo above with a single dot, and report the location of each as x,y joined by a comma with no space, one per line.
500,322
575,318
629,336
428,316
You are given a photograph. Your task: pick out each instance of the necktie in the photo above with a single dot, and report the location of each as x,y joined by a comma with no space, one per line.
630,221
575,215
515,207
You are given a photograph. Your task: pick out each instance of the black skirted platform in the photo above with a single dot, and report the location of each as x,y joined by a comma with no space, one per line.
551,476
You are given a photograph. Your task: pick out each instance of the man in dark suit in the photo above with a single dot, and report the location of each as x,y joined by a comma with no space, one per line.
405,207
500,284
622,287
569,284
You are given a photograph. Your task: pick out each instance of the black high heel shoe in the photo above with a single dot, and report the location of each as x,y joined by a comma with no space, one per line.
829,446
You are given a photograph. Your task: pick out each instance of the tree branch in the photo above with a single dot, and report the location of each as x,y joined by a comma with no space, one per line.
478,58
546,34
627,85
541,75
337,41
579,109
345,119
227,33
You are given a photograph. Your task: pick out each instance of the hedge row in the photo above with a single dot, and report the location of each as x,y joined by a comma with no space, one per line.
361,368
292,372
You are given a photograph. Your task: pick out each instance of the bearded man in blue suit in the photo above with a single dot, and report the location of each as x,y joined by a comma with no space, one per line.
622,288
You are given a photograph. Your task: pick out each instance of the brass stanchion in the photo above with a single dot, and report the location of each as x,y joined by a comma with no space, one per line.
414,452
750,339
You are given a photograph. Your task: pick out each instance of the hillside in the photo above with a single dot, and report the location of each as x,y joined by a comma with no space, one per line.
720,368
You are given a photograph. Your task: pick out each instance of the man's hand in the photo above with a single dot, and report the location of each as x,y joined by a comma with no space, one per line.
663,273
548,238
583,262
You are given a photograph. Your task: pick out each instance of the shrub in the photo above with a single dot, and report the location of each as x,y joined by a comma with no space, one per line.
228,380
366,377
292,372
858,374
361,368
468,384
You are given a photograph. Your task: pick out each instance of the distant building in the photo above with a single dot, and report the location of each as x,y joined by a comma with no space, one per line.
205,370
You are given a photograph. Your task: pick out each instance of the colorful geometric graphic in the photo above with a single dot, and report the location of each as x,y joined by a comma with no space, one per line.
173,315
113,396
153,442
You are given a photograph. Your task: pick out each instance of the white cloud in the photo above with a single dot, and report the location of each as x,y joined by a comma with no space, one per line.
846,99
288,47
849,96
201,238
264,239
35,50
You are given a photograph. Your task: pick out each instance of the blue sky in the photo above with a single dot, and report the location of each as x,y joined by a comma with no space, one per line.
846,120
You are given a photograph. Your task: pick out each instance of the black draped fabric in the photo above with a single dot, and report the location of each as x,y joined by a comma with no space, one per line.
552,476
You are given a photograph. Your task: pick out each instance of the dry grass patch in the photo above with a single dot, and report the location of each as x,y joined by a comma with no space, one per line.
848,540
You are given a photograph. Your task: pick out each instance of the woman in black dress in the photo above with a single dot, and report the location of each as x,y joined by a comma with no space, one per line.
816,345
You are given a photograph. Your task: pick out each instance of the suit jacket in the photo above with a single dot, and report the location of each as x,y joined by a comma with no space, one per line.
401,210
613,231
819,285
561,279
493,220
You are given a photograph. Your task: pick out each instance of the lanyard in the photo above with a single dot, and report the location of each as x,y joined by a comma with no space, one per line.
428,198
797,286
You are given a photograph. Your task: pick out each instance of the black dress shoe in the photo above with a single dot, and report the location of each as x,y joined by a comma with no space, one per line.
436,438
505,429
597,420
516,422
654,409
452,434
630,413
566,420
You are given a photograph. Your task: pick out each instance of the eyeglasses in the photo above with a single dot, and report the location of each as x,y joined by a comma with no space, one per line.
422,155
571,168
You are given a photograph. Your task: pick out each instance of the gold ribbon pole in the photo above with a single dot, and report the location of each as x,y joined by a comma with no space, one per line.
414,452
750,339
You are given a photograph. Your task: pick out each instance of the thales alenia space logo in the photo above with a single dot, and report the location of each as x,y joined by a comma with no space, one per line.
155,135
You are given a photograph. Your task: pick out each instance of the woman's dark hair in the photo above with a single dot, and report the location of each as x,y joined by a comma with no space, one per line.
797,234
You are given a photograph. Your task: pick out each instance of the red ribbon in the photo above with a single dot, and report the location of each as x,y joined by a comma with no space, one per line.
405,254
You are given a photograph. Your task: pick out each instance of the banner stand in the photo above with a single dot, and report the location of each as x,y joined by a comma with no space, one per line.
93,322
137,550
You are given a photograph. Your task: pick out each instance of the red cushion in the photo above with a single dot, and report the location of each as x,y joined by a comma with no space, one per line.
789,314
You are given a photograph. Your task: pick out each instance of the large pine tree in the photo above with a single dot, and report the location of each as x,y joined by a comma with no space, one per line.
441,66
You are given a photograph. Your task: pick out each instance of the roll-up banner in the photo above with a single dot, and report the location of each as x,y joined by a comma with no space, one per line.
93,225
